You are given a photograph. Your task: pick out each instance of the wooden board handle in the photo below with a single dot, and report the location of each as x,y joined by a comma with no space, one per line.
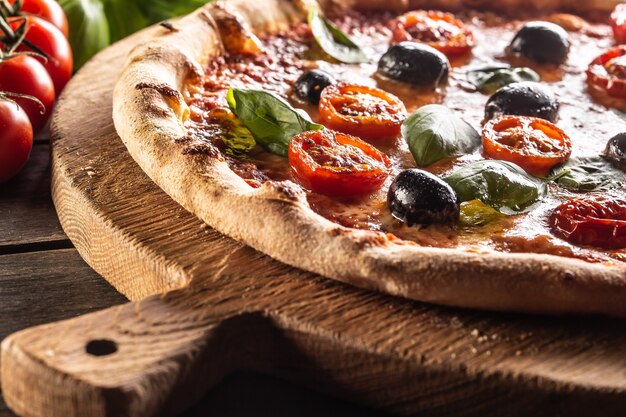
127,360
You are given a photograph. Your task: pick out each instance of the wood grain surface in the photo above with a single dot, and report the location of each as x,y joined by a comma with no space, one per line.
40,284
228,308
26,210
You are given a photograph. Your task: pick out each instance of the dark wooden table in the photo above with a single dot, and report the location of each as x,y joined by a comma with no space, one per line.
43,279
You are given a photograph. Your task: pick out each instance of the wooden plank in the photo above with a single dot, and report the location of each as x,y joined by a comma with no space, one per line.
29,221
246,311
37,288
55,285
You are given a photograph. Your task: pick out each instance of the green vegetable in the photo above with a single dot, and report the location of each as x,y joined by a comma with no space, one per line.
157,10
434,132
272,121
89,28
489,79
477,213
589,174
333,41
501,185
124,17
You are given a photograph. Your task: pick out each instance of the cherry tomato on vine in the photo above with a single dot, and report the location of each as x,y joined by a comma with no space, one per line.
598,221
16,140
439,30
336,164
534,144
607,72
367,112
25,75
49,10
51,41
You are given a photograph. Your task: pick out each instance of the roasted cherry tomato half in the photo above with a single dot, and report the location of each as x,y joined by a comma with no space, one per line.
439,30
599,222
534,144
336,164
618,23
369,113
607,72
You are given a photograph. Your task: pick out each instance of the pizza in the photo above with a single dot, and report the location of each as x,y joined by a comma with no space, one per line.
441,151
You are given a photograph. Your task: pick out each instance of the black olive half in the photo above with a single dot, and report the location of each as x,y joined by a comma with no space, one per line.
523,99
309,85
542,42
616,150
416,64
419,197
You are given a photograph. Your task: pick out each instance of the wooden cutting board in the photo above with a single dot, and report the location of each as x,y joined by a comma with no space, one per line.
205,305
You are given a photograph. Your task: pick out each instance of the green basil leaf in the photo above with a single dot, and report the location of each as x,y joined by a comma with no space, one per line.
89,28
434,132
589,174
489,79
333,41
272,121
499,184
477,213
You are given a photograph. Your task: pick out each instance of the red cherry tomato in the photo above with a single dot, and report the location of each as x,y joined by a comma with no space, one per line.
596,221
16,140
439,30
607,72
48,10
51,41
336,164
367,112
534,144
25,75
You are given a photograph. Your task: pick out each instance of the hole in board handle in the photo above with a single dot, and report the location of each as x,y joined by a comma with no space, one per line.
102,347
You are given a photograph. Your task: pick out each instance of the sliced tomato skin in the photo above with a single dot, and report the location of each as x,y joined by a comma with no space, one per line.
533,162
618,23
371,124
599,78
458,44
599,222
342,180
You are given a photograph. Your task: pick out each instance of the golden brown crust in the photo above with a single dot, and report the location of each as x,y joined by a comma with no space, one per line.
276,219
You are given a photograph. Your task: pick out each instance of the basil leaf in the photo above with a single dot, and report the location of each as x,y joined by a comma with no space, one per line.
333,41
489,79
272,121
477,213
589,174
434,132
499,184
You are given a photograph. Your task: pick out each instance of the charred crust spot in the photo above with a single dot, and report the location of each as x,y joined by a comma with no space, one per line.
568,277
287,189
164,89
169,26
195,147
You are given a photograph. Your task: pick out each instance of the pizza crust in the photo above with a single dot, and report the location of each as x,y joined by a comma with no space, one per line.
149,110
